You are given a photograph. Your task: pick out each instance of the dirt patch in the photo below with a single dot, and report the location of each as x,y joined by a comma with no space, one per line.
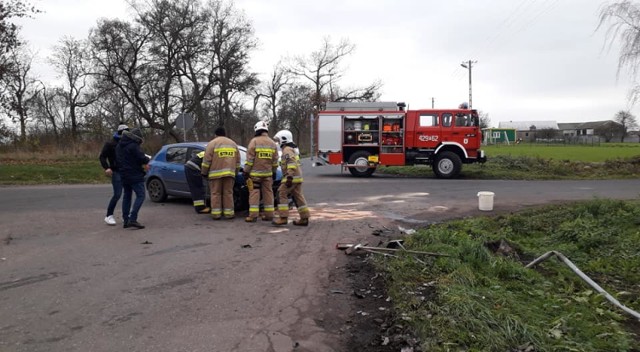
372,325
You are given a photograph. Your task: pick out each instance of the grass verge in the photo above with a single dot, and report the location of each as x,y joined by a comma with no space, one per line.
506,167
51,171
484,299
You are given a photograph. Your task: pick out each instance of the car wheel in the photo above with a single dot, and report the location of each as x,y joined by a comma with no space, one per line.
447,165
361,160
156,190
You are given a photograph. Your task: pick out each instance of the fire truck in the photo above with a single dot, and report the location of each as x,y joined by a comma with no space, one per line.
363,136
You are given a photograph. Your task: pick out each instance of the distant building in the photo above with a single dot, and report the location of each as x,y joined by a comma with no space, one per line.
498,135
534,130
529,131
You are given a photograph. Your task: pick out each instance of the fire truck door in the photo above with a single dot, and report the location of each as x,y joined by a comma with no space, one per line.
428,130
465,130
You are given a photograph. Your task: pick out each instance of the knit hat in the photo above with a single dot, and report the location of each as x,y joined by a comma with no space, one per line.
122,127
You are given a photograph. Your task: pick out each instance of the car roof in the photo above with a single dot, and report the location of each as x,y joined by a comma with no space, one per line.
196,144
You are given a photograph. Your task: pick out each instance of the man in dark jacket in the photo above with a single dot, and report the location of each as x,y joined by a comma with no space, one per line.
132,163
108,162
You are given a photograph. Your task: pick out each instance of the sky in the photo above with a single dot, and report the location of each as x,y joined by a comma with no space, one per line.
533,60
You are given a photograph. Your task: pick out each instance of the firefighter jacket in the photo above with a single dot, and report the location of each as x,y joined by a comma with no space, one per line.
196,162
290,164
221,158
262,157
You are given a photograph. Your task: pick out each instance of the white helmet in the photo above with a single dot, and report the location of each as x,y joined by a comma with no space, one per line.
261,126
284,137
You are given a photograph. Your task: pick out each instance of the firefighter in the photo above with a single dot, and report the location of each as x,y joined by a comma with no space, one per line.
220,165
193,174
260,168
292,177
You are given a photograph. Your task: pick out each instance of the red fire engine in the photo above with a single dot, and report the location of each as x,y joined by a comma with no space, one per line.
362,136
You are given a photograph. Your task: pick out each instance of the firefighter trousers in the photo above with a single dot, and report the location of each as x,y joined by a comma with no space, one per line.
196,187
261,186
222,197
296,193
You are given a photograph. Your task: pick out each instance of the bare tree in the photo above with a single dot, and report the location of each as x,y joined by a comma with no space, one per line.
273,90
295,108
322,68
49,108
233,40
9,40
623,18
626,120
177,57
20,89
70,59
485,120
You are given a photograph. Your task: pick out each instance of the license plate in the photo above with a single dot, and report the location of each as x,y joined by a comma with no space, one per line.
373,158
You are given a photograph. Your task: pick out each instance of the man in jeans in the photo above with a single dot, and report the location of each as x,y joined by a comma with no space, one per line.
108,162
132,163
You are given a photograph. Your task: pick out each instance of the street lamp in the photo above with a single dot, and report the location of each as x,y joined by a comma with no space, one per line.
468,65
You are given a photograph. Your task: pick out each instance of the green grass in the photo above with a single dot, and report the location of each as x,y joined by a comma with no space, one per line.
535,162
479,300
51,171
584,153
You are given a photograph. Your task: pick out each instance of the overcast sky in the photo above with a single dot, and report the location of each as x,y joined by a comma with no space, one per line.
535,59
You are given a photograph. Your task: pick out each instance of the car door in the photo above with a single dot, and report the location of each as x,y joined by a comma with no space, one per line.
173,170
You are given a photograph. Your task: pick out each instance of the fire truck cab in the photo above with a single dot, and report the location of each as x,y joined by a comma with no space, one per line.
363,136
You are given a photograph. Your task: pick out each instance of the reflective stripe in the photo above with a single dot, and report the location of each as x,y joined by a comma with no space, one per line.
302,208
216,211
222,173
250,163
205,165
269,208
283,207
198,202
260,173
297,179
228,212
292,166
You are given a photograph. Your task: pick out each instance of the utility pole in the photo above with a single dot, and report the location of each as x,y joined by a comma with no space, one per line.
468,65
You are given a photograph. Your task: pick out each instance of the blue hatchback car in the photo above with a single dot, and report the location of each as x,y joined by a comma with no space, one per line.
166,174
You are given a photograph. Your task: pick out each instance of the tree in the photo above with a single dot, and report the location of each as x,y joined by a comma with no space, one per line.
9,40
624,25
323,69
273,89
70,59
626,120
177,57
20,89
295,109
485,120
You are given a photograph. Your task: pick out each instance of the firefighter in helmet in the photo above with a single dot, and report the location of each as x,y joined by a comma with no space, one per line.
292,177
260,167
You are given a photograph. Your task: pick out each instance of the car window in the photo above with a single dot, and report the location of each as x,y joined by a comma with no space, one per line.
193,152
177,155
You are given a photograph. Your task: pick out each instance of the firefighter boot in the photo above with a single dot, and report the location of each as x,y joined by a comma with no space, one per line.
266,218
280,221
250,219
206,210
301,222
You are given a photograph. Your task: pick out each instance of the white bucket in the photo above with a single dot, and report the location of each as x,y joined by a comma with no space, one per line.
485,201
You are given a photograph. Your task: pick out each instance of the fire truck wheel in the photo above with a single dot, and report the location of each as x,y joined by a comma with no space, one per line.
447,165
361,160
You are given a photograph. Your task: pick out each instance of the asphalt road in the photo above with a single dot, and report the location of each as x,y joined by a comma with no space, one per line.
68,282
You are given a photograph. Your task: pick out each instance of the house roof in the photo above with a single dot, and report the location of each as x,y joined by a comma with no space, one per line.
569,126
526,125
